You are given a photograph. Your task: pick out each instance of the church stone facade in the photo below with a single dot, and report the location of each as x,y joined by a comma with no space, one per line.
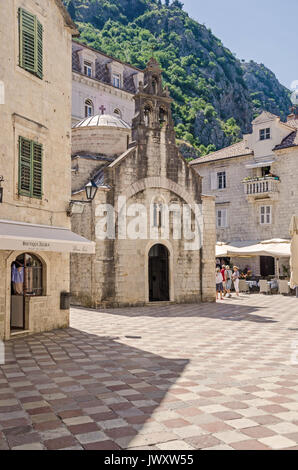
150,173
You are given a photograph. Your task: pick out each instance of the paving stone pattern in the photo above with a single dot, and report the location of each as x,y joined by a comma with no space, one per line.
210,376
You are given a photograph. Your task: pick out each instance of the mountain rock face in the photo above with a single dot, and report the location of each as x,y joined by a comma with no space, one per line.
265,90
216,96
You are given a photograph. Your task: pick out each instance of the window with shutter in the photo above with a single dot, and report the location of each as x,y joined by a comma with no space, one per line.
221,218
24,166
221,180
265,215
36,170
213,180
31,43
30,168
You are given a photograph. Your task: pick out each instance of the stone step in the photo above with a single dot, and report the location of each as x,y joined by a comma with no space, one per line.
161,303
20,334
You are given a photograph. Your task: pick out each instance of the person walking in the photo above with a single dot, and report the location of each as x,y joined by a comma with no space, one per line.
228,275
218,283
223,273
235,277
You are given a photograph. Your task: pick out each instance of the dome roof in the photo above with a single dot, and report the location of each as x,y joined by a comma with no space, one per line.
102,120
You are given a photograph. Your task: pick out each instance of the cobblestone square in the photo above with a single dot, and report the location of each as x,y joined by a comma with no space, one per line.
209,376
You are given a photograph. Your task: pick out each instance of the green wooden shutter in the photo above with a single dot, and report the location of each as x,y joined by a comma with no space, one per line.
31,43
39,56
27,40
30,168
36,170
24,166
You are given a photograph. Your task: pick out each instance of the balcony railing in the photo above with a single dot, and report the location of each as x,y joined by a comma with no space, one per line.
267,184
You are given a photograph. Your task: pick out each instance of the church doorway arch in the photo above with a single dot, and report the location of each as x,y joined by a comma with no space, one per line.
158,276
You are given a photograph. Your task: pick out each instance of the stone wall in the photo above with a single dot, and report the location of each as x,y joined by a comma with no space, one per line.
83,168
43,312
40,110
208,249
106,140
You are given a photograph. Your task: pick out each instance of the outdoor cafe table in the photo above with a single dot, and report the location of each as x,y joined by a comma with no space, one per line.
252,284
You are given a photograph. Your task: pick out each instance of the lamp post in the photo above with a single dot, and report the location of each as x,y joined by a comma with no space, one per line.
91,190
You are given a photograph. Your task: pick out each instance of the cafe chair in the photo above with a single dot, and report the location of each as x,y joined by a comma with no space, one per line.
283,287
264,287
243,286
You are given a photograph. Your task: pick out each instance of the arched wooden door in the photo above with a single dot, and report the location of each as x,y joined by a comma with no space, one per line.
158,273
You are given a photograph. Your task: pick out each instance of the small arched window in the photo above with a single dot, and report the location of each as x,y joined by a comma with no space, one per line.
158,207
147,112
89,108
118,113
157,215
162,116
154,86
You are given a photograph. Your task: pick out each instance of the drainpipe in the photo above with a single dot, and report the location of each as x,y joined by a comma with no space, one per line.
201,274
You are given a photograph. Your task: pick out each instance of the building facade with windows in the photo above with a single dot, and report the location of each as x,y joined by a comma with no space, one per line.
35,236
254,182
102,84
144,252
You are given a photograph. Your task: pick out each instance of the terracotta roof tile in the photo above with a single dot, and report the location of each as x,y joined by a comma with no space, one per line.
290,141
292,123
235,150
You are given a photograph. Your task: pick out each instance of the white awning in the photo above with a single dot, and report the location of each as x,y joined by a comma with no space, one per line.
277,248
31,237
259,164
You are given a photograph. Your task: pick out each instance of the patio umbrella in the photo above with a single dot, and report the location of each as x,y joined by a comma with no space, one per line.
277,248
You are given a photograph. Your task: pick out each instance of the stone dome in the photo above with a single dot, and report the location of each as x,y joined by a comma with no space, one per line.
102,120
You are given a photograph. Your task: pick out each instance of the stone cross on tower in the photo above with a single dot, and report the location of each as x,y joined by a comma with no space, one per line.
102,109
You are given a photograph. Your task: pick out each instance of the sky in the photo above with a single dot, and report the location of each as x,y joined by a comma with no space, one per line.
262,30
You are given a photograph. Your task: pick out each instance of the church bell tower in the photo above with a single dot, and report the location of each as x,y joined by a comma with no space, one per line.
152,107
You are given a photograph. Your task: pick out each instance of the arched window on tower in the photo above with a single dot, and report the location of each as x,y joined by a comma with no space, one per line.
158,206
162,116
154,85
147,113
89,108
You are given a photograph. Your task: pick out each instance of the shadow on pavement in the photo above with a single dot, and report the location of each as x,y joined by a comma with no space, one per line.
219,311
74,374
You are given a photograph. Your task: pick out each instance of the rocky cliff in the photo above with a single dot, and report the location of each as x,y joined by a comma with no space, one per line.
216,96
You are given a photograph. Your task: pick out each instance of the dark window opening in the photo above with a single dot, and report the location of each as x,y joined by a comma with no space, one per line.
266,170
265,134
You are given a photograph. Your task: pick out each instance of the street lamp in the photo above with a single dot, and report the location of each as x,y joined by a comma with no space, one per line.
91,190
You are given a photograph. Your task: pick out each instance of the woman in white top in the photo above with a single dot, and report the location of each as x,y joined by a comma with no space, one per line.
219,283
235,277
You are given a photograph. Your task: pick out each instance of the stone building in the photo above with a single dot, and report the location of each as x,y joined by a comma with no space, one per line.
102,84
144,249
254,182
35,236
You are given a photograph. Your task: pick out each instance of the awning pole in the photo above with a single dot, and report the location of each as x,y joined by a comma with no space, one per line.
277,267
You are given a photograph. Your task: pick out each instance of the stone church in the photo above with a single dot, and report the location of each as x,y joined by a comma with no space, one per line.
153,228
